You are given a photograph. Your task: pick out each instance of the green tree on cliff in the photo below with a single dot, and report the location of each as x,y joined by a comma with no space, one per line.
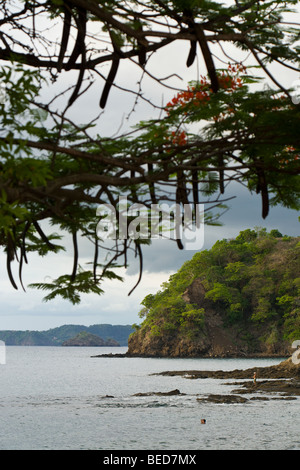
253,285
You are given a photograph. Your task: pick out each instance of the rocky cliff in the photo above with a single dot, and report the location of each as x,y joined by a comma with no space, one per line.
241,299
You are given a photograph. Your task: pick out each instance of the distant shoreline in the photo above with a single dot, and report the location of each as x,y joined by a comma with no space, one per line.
252,356
56,336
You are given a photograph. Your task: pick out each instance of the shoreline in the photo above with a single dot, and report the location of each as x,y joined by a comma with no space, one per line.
146,356
281,381
276,382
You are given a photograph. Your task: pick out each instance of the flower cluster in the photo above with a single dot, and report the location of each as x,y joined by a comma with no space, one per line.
179,138
229,80
289,149
200,94
196,95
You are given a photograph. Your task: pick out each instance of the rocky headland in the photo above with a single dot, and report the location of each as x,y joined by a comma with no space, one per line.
238,299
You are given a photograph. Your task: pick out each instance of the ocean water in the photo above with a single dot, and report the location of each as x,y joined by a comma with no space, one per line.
59,398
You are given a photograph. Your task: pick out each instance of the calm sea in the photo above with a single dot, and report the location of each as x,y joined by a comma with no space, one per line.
62,398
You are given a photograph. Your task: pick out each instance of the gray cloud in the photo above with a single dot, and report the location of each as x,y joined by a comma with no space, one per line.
244,212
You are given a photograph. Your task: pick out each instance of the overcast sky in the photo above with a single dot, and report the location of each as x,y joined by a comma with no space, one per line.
26,311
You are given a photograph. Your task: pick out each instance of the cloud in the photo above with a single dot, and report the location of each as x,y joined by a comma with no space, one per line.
244,212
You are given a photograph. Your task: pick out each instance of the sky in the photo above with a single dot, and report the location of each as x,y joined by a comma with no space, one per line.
21,310
26,310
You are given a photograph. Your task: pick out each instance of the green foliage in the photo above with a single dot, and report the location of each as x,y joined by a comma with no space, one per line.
226,126
192,316
219,292
9,214
69,289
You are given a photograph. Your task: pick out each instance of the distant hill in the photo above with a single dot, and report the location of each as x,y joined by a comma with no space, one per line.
56,336
240,298
88,339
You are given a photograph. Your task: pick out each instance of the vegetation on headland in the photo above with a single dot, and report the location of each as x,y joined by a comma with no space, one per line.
243,293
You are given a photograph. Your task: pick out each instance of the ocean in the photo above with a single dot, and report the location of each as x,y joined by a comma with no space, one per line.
61,398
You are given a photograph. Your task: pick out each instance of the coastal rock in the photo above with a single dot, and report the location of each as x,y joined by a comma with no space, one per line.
111,355
290,387
214,340
284,370
160,394
277,382
223,399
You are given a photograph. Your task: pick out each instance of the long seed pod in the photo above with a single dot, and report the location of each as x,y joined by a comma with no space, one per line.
142,50
125,253
8,268
181,191
195,196
221,174
109,82
179,244
23,256
79,81
192,54
113,70
43,236
195,187
65,37
75,262
264,195
151,185
211,70
79,46
27,227
265,201
95,260
81,25
9,259
142,54
181,198
21,267
140,255
200,35
262,188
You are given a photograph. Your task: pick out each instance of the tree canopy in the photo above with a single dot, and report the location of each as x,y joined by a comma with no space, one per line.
226,125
